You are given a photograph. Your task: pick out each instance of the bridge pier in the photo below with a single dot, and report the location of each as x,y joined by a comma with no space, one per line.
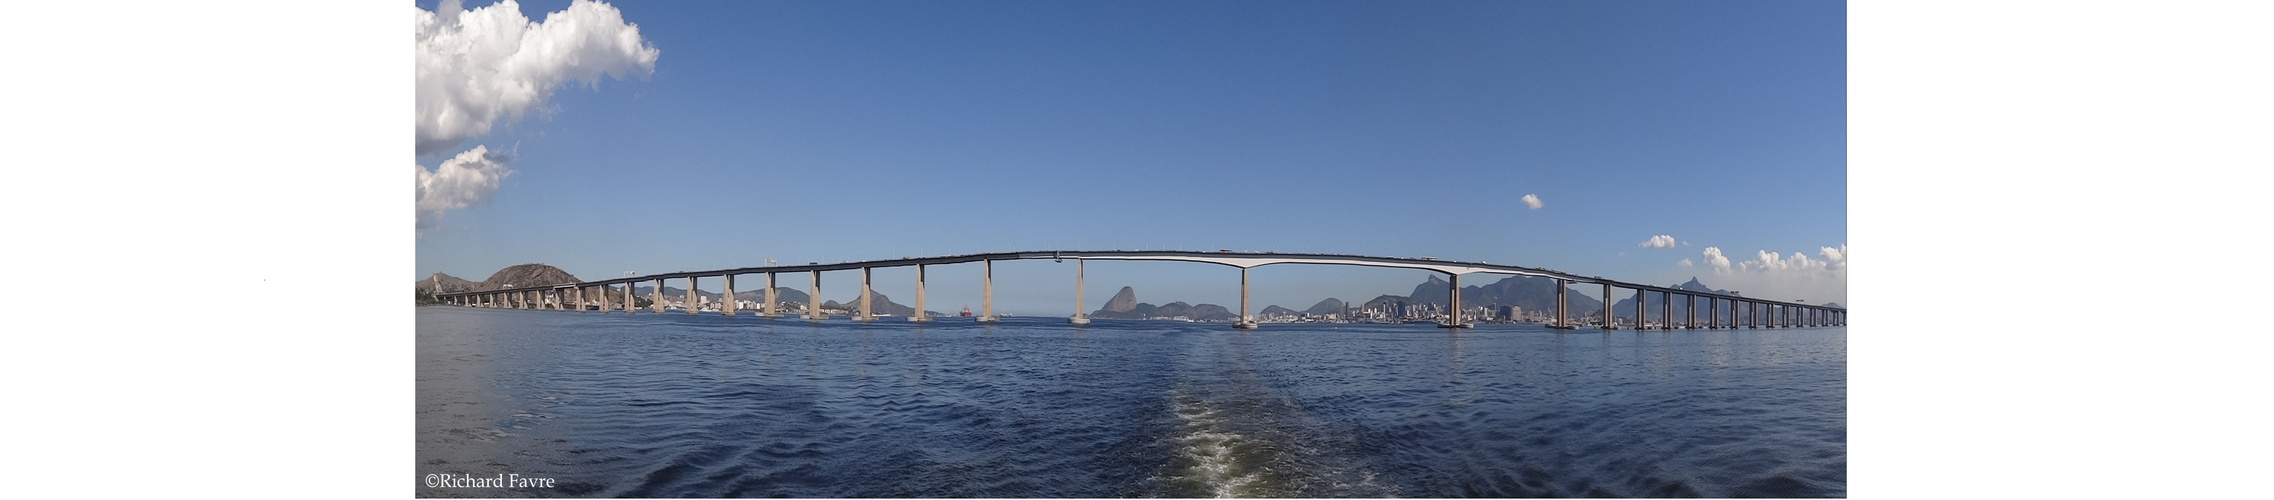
813,299
576,298
986,292
1078,318
1609,321
726,308
1245,322
867,315
770,309
1665,310
1692,310
1453,303
1641,309
1562,321
691,298
655,297
629,303
919,316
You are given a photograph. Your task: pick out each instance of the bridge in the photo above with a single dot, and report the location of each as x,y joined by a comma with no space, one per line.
1758,313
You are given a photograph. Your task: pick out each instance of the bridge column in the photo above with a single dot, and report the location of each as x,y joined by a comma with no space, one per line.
1078,318
691,308
1563,305
1609,322
813,299
655,297
1665,310
769,308
727,308
577,298
866,315
919,316
1452,303
1641,312
1245,322
628,302
1692,310
986,291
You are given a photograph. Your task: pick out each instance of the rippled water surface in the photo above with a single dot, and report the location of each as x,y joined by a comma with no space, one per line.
675,405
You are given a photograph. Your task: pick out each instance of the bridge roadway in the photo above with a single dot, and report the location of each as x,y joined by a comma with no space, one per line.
1757,312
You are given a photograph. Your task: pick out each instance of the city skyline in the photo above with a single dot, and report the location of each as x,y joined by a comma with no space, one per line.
1638,142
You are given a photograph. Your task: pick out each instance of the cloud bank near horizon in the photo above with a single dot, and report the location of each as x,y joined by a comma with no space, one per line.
1773,275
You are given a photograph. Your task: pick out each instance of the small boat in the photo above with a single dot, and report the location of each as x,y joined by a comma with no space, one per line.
966,311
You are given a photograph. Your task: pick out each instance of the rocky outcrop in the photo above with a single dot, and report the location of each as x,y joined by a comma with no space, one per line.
447,283
1328,306
526,276
1123,301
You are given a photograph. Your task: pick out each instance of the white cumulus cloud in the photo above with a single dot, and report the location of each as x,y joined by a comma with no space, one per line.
477,66
459,182
1533,200
1659,241
1685,263
1715,260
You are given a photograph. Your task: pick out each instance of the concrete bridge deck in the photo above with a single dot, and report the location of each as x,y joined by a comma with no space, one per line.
1758,312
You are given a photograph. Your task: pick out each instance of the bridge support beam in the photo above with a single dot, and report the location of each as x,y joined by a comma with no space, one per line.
1665,310
1609,322
867,314
691,298
1245,322
655,297
576,298
1453,303
1641,311
1078,318
813,299
986,292
1562,321
726,308
919,316
770,309
1692,310
628,304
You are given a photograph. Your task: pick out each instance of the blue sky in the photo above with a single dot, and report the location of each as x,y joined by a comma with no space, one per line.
811,131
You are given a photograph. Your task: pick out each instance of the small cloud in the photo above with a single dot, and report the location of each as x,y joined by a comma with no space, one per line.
1533,200
1659,241
1685,243
1685,263
462,181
